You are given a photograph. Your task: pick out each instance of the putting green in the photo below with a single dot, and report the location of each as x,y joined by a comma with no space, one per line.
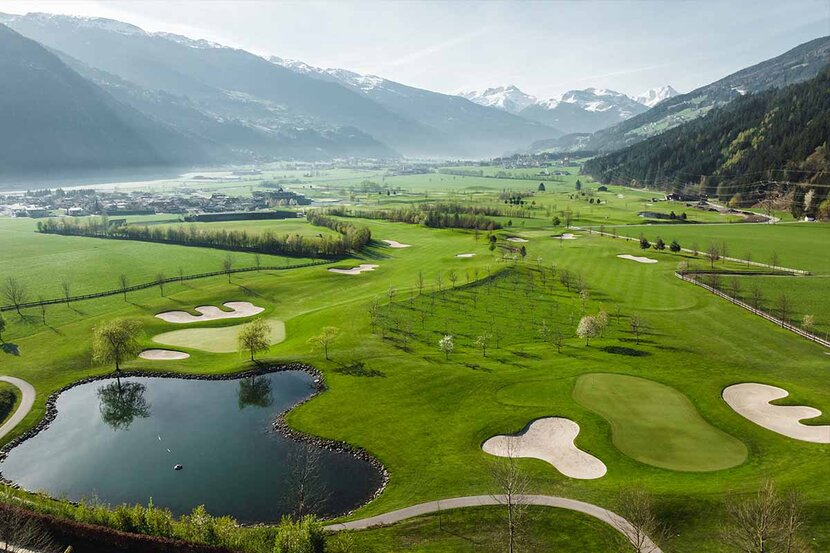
657,425
215,340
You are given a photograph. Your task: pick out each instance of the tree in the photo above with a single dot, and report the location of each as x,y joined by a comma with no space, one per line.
584,297
588,328
512,485
757,297
227,265
301,536
160,278
258,261
578,185
453,276
66,286
123,284
644,243
541,187
713,254
636,323
602,321
446,345
783,308
374,313
181,274
254,337
674,246
482,342
659,244
639,522
116,341
682,267
773,261
2,328
325,339
420,282
557,338
766,522
121,403
807,323
15,293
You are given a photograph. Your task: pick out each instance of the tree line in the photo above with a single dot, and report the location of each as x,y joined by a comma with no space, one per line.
352,237
433,215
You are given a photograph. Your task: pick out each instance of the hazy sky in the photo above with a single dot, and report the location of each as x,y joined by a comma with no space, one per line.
545,48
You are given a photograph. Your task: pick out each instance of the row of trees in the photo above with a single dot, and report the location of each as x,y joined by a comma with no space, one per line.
432,215
352,237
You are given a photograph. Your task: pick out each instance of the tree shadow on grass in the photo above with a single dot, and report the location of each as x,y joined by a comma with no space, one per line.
621,350
11,349
477,367
358,368
249,291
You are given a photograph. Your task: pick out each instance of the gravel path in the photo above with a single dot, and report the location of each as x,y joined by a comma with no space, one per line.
612,519
27,399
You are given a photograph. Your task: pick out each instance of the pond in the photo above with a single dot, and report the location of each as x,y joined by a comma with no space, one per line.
120,443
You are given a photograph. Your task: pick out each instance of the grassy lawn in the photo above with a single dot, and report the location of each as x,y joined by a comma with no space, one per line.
657,425
425,416
483,529
9,398
215,340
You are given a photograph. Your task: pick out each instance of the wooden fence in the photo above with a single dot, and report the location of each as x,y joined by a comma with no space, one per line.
764,314
145,285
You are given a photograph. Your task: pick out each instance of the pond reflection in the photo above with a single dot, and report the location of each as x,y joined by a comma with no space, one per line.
121,403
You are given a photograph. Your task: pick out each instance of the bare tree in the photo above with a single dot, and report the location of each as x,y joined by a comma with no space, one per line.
766,522
160,278
20,531
374,313
453,276
636,323
420,282
713,254
512,485
181,274
15,293
557,338
773,260
123,284
639,523
227,265
757,297
783,308
66,286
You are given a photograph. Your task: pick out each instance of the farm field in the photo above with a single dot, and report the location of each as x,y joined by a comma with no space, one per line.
424,413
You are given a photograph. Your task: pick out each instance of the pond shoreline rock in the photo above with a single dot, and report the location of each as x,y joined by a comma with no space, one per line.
279,424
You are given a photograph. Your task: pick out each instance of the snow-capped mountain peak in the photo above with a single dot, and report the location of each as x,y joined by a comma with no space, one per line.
344,76
654,96
508,98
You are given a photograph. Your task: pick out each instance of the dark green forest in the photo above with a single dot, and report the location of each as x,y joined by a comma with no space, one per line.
769,143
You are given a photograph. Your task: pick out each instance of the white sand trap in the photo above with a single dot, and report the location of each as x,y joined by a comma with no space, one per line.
637,258
753,402
552,440
465,255
355,270
394,244
238,309
163,354
516,239
620,196
566,236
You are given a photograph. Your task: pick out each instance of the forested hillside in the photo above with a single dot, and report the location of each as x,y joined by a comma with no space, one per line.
770,142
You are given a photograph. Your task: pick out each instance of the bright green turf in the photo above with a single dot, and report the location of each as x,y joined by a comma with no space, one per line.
215,340
657,425
426,417
483,529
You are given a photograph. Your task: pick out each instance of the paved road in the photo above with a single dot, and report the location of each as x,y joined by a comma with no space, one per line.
27,399
608,517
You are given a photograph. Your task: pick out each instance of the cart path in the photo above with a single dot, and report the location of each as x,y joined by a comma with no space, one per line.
612,519
27,399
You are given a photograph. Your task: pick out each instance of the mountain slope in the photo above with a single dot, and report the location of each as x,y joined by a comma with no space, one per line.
799,64
466,128
222,80
779,134
582,111
52,119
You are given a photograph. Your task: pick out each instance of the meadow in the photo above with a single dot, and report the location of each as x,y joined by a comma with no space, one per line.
425,414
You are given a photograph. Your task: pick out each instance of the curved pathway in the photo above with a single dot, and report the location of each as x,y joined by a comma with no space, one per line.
27,399
614,520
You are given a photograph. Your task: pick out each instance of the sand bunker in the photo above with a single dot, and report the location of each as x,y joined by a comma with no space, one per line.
752,401
394,244
552,440
566,236
637,258
464,255
163,354
238,309
355,270
515,239
216,340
